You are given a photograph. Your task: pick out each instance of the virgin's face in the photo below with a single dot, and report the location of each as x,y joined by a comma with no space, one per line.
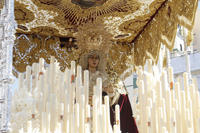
93,61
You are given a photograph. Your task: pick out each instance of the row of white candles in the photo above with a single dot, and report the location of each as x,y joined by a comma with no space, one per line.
165,110
72,101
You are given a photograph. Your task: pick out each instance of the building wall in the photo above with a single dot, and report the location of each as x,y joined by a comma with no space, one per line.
179,66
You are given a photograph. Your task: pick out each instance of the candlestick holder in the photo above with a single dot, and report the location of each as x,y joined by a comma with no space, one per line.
61,117
87,120
148,124
33,116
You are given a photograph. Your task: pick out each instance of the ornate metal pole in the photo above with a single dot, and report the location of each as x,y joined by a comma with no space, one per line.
187,59
2,62
167,58
10,26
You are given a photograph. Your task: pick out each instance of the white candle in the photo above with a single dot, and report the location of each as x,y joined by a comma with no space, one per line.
29,126
149,65
79,71
86,86
148,115
164,111
177,93
53,102
164,83
115,128
71,92
189,130
41,84
43,122
196,107
191,105
24,86
172,128
60,89
195,83
168,108
48,97
160,119
183,107
153,118
33,107
187,118
73,64
149,126
77,118
104,118
177,120
172,98
28,77
191,114
40,106
52,77
141,101
152,95
61,106
185,79
67,77
48,117
34,76
140,77
67,113
99,123
171,77
178,97
52,60
117,116
198,126
164,130
82,113
47,75
173,116
72,124
87,113
20,81
87,128
65,89
159,93
58,126
96,92
106,99
41,64
179,80
149,102
99,84
95,113
78,84
145,90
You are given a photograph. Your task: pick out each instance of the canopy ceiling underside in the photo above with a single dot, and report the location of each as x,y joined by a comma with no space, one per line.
145,23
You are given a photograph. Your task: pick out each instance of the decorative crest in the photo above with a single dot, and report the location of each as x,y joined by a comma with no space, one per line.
93,36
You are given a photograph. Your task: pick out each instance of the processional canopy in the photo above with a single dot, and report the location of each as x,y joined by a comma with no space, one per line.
137,28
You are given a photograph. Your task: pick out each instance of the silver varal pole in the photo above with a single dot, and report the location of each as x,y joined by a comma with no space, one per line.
10,26
187,59
167,58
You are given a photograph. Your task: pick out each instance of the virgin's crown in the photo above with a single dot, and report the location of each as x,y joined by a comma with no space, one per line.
93,36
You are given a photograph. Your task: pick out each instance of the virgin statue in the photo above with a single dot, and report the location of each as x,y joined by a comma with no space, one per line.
95,62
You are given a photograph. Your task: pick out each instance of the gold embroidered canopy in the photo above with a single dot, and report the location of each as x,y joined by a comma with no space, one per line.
144,23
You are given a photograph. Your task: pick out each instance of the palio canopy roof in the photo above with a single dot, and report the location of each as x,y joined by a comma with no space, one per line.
146,23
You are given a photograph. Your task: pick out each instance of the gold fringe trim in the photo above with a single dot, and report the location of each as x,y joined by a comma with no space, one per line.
162,28
190,38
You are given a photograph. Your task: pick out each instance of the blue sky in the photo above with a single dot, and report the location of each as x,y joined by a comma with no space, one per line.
199,5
